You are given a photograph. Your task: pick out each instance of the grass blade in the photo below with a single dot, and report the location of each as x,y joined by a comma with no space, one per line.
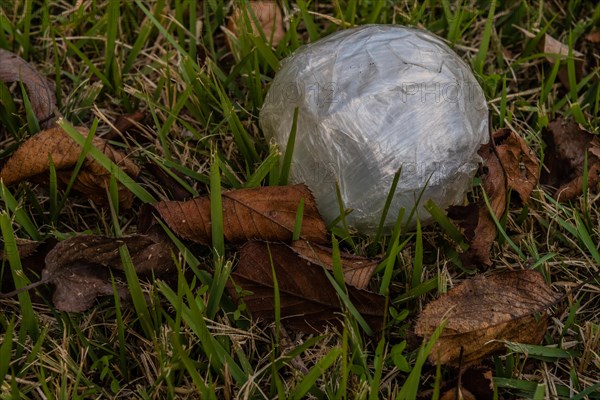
216,210
19,214
29,325
315,373
479,60
287,158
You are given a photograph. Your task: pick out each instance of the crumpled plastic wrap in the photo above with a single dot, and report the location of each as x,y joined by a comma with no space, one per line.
372,100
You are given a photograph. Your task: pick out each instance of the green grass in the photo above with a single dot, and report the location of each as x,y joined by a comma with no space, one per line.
183,337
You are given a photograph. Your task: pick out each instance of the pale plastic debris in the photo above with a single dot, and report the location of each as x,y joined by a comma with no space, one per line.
371,100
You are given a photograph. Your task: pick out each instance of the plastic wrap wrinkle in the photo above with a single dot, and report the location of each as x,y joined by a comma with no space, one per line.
372,100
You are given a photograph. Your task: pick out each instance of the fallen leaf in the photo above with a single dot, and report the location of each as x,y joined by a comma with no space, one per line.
458,393
32,159
25,247
268,15
520,165
551,46
123,123
357,270
80,267
267,213
484,311
556,50
479,380
564,157
77,286
176,190
39,90
31,255
308,301
593,36
476,380
510,165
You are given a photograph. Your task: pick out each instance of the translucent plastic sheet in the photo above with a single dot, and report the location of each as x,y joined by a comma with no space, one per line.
372,100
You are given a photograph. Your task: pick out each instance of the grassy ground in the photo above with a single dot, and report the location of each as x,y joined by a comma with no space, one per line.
170,60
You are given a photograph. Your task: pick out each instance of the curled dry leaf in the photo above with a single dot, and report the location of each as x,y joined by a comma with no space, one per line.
308,301
267,213
269,17
566,146
484,311
40,91
510,164
33,157
357,270
80,267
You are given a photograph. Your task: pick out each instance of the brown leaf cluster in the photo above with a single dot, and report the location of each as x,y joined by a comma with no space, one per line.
258,217
34,157
269,18
509,164
53,146
482,312
567,145
308,301
80,268
39,90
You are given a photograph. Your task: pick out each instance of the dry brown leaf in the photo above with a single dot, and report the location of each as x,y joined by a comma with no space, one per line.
593,36
40,91
520,165
484,311
510,165
175,189
357,270
79,267
32,255
77,286
458,393
476,379
268,15
32,158
564,156
556,50
308,301
123,123
267,213
25,247
549,45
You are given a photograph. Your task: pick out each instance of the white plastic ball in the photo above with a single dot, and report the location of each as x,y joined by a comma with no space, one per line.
373,100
